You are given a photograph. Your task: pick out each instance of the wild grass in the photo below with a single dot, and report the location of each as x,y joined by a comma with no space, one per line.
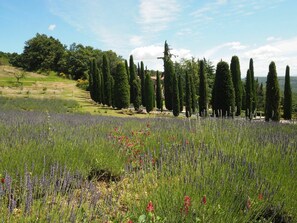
75,168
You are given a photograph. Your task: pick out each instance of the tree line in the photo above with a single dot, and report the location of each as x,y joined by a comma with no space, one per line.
192,86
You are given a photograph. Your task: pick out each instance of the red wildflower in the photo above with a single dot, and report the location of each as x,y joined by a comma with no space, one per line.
260,196
187,204
2,180
150,207
203,200
187,142
248,203
130,221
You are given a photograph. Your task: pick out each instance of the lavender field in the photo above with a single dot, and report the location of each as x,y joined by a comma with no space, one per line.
83,168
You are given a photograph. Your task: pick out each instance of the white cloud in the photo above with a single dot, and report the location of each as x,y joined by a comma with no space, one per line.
156,14
136,40
51,27
230,46
272,38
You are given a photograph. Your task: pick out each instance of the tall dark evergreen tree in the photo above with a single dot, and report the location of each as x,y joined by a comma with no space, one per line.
132,77
127,70
168,77
188,97
254,93
243,100
236,79
107,96
121,87
181,93
224,98
149,93
159,93
193,93
249,95
287,96
272,101
142,79
136,89
91,79
203,90
175,96
96,82
260,97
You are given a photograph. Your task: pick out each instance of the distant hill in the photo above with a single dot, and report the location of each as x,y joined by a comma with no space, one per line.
281,82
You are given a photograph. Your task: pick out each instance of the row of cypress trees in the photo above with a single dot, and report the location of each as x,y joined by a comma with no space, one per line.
132,84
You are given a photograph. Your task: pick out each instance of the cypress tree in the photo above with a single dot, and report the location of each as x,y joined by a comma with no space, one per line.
96,83
249,95
203,90
136,87
121,87
149,96
193,94
127,70
142,79
181,93
132,77
287,96
243,100
107,96
159,93
272,101
112,91
91,79
254,93
188,96
236,79
224,98
175,96
168,77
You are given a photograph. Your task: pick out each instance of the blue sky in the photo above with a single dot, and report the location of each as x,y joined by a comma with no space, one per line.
264,30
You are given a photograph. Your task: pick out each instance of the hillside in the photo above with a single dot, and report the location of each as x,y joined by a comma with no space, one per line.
281,82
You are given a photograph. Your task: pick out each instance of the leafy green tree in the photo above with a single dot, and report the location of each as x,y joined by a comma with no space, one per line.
168,77
181,93
42,53
188,95
224,98
203,89
159,93
236,79
260,97
136,90
249,95
91,79
149,93
287,96
254,93
272,101
193,94
96,82
121,88
175,96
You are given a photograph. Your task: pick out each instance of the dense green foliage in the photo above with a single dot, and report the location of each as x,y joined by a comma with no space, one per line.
149,93
121,88
272,100
142,79
132,74
175,96
254,94
188,95
159,101
181,93
107,95
136,90
223,94
287,96
203,90
236,79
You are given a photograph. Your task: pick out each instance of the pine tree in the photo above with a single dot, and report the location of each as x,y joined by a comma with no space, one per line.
149,90
96,82
168,77
136,88
236,79
91,79
193,94
287,96
175,96
254,93
272,101
107,96
142,79
159,93
188,96
203,90
243,100
224,98
181,93
121,88
249,95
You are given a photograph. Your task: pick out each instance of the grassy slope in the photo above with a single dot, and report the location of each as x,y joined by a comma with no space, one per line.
38,86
